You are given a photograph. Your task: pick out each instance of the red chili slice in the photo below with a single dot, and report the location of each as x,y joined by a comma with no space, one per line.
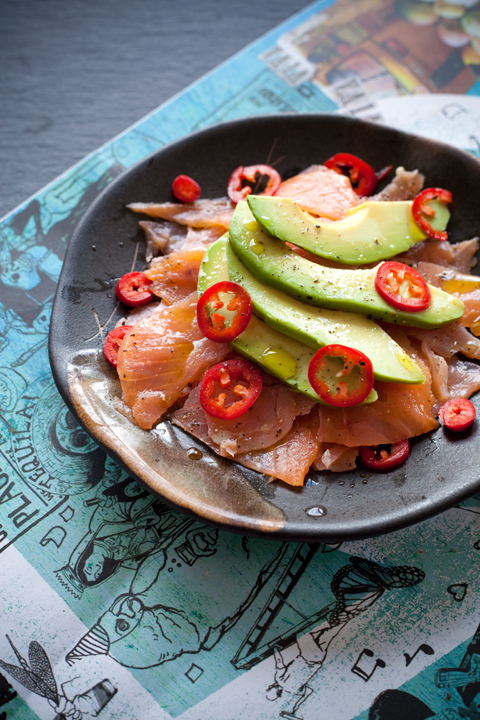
113,341
243,180
340,375
362,175
423,213
402,287
186,189
457,414
381,174
385,457
230,388
224,327
132,289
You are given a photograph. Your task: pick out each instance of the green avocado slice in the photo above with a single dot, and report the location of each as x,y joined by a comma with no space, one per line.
318,326
369,232
273,263
280,355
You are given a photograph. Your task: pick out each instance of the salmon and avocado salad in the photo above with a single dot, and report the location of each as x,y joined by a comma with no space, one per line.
309,323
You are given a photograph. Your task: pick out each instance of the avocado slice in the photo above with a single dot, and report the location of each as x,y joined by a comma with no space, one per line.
273,263
369,232
280,355
317,327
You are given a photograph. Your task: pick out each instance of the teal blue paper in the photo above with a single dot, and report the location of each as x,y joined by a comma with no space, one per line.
180,608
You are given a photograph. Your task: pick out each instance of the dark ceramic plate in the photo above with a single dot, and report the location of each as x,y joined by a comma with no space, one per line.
443,469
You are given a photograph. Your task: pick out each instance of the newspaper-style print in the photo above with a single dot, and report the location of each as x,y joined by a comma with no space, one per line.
113,604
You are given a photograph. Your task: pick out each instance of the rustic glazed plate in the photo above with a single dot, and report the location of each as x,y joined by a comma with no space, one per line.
443,468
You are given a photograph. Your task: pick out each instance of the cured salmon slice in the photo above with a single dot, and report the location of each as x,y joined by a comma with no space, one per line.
175,276
277,436
290,459
336,458
167,237
405,186
267,422
398,413
161,356
471,316
321,191
448,340
439,372
460,256
463,377
401,411
464,286
453,377
199,214
162,237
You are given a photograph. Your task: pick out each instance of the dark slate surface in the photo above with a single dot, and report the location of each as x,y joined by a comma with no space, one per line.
74,74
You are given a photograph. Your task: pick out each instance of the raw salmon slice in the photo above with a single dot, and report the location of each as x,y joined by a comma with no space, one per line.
448,340
405,186
398,413
277,436
175,276
321,191
464,286
460,256
166,237
290,459
161,356
267,422
199,214
401,411
336,458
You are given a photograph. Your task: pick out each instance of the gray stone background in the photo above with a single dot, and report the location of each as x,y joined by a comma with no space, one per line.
75,73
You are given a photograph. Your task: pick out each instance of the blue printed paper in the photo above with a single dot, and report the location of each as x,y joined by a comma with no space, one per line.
115,605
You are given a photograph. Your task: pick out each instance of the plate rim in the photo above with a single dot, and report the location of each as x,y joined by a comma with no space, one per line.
291,530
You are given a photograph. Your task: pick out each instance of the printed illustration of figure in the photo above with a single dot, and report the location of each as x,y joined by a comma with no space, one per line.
7,693
465,679
461,676
11,326
356,587
128,528
47,435
11,385
28,276
33,243
38,677
24,270
143,631
408,48
399,705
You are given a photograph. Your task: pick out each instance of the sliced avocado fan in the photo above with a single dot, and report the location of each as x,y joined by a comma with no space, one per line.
274,264
313,326
319,326
278,354
372,231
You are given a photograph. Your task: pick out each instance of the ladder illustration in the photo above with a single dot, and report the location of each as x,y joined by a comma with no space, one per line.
252,651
